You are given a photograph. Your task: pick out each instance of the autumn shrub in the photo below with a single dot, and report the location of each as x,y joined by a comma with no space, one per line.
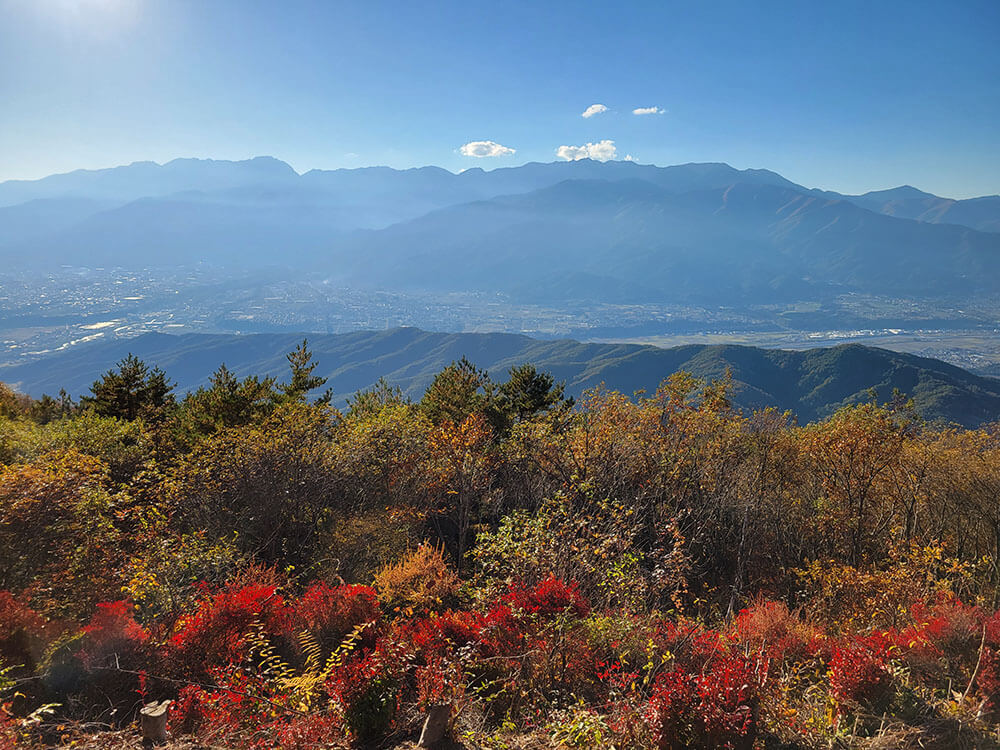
24,634
358,543
366,689
60,535
421,581
232,701
126,448
544,621
594,542
101,668
860,673
770,627
952,627
331,613
442,633
213,634
167,575
850,598
294,732
689,644
716,708
988,679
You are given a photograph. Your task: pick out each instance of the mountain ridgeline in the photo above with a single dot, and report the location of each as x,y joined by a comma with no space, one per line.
612,231
812,383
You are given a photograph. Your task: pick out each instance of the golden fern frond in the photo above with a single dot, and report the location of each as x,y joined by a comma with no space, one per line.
347,645
312,650
271,661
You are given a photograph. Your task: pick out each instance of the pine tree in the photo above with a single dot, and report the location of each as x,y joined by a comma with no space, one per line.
303,380
131,392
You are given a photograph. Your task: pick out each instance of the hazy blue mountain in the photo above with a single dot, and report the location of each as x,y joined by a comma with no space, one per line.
43,217
909,203
634,240
148,179
811,383
189,228
612,231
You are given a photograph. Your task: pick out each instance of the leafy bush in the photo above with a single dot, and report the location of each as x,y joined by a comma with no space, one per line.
860,675
213,634
421,581
331,613
24,634
716,708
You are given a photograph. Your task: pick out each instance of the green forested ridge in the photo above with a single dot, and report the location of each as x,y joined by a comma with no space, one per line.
811,383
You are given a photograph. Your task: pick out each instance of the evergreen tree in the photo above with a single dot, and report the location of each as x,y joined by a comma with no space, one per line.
457,391
132,391
228,402
48,409
528,392
303,380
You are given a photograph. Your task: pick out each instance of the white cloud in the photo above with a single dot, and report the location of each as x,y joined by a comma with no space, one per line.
601,151
629,157
648,111
594,109
481,149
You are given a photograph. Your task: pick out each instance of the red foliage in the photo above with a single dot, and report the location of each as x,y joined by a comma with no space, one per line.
212,635
331,613
771,628
219,712
550,598
692,646
114,639
988,680
23,632
859,671
366,690
300,732
949,626
716,708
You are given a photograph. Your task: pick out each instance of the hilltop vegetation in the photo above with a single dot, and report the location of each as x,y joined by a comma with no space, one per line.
658,571
812,384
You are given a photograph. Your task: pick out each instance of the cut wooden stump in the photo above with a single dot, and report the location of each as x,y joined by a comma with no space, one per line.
153,722
435,725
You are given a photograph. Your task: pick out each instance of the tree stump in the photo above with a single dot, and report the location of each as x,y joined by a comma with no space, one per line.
435,725
153,722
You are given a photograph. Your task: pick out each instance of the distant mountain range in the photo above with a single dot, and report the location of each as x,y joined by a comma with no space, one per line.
811,383
613,231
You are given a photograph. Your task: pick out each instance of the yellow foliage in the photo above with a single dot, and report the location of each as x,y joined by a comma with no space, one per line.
422,580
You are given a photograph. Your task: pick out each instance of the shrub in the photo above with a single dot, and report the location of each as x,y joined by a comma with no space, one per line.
859,673
770,627
220,713
421,581
23,633
365,688
331,613
714,709
213,634
550,598
168,575
114,637
101,666
951,627
988,680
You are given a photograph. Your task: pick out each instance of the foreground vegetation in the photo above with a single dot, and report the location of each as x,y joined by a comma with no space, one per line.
652,571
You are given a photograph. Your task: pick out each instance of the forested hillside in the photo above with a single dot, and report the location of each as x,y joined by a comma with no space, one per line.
653,571
812,384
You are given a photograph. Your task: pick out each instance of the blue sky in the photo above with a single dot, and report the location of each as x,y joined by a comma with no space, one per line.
849,96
